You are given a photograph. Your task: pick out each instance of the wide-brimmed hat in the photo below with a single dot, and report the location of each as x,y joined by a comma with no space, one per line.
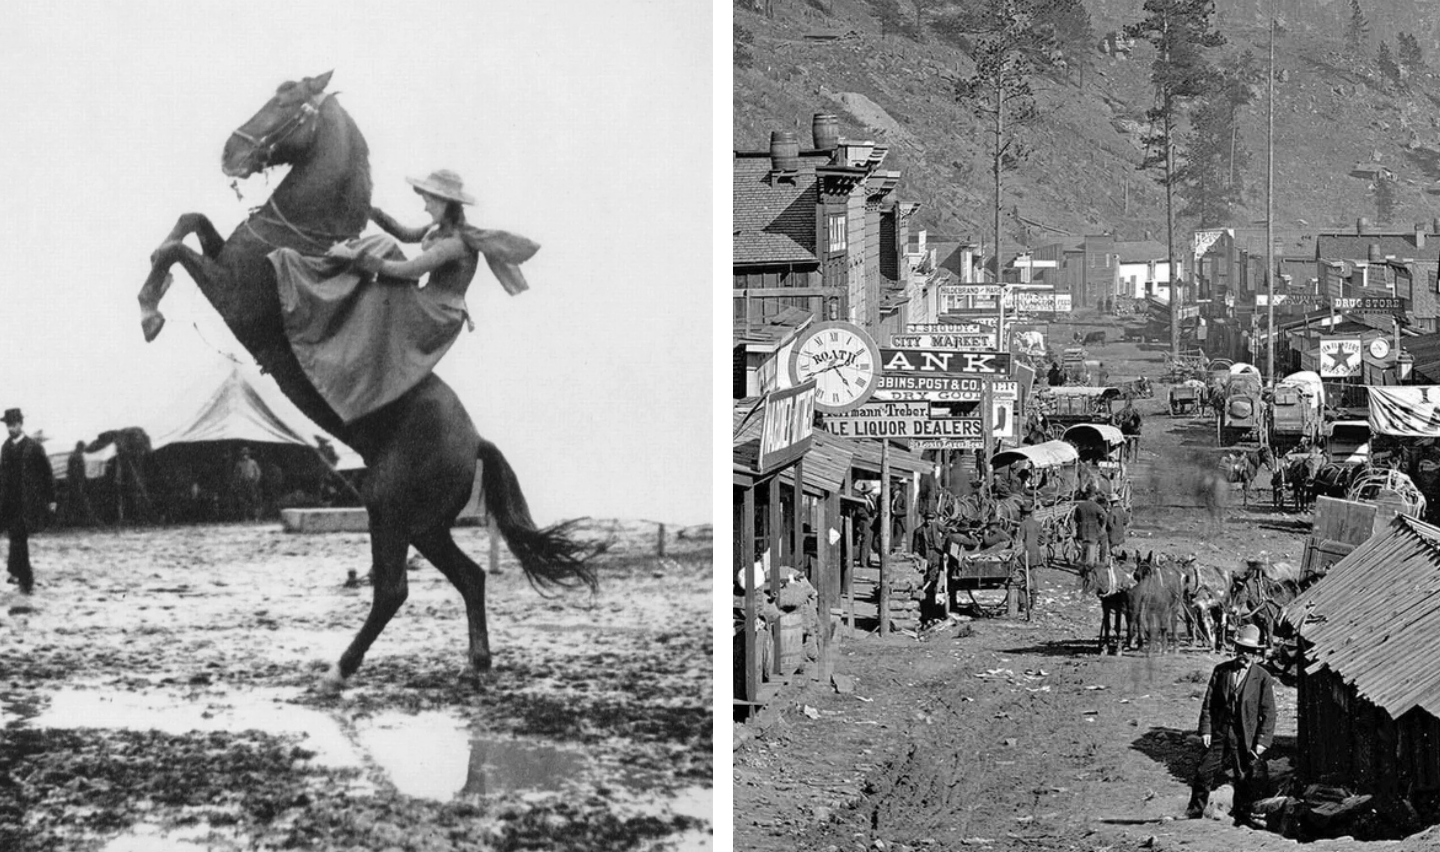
1248,637
13,416
442,183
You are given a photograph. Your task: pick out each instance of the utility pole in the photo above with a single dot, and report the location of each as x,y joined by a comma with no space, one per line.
1270,204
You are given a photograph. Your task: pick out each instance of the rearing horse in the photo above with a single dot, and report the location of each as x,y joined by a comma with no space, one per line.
420,449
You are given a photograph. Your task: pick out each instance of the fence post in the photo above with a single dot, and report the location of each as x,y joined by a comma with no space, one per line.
660,544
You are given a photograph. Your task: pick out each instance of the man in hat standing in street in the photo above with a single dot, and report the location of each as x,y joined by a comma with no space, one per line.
27,496
1237,724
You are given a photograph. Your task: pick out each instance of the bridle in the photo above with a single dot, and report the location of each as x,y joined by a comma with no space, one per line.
264,146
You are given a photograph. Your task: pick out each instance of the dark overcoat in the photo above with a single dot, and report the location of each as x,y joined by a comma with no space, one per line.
1248,717
27,461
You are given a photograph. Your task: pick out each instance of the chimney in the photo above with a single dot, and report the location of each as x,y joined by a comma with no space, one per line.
784,152
1374,254
1362,225
1419,235
825,127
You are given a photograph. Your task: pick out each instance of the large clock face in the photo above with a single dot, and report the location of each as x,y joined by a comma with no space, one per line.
843,361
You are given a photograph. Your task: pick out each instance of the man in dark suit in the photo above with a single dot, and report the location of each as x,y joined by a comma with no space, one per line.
1237,724
27,496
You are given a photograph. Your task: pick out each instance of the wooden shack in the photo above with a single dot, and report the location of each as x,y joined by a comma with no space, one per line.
1369,693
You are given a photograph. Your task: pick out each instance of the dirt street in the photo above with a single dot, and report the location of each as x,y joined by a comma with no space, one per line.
1002,734
156,694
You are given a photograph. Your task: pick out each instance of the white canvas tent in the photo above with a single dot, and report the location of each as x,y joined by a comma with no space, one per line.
240,407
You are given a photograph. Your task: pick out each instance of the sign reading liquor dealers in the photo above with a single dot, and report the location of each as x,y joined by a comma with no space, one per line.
944,361
787,429
908,420
1339,357
931,388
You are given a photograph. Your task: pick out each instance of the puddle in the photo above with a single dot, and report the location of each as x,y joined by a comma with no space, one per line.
147,837
694,802
263,710
435,756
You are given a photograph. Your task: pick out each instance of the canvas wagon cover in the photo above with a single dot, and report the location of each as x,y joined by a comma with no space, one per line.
1048,454
1088,432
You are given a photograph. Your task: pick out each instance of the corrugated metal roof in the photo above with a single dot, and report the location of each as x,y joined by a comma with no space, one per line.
1048,454
1378,612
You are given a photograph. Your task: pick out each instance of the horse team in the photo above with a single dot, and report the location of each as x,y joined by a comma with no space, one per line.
1144,600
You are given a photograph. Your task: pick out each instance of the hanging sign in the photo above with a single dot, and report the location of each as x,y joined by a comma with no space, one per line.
944,361
1339,357
1411,411
787,430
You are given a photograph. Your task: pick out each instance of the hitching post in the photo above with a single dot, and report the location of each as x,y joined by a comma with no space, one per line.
884,598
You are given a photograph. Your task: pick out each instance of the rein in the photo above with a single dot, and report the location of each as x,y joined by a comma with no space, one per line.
280,220
265,144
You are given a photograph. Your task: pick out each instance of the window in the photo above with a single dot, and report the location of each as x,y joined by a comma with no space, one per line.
837,232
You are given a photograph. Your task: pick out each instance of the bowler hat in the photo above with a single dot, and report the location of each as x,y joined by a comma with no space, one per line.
13,416
442,183
1248,637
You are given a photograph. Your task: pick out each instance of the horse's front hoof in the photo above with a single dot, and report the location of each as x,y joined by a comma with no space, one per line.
332,683
151,324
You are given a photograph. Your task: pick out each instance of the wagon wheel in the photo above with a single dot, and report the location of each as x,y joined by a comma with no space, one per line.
1055,430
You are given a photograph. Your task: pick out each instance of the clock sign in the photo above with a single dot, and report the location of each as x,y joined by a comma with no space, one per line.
1379,348
842,359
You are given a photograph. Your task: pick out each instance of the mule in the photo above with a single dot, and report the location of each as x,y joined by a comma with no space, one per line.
420,450
1154,603
1111,584
1259,596
1207,600
1242,466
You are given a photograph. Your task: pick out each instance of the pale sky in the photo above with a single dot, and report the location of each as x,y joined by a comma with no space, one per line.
585,126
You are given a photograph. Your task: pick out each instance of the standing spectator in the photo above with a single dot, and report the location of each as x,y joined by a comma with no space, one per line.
899,510
27,496
866,518
1128,421
1089,519
1055,376
77,499
247,486
1117,525
1103,374
929,543
1237,724
1027,535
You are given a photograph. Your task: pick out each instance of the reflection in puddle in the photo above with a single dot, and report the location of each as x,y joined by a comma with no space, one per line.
146,837
434,756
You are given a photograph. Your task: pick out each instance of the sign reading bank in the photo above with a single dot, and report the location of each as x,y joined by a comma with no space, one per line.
944,361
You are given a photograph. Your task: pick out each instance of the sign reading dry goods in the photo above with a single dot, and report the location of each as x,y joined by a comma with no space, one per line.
932,361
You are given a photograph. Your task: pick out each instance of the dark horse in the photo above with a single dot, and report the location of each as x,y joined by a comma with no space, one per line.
421,449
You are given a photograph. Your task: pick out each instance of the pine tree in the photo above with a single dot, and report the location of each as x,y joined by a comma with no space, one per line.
1389,71
1008,53
1211,176
1180,31
1409,54
1357,31
1384,200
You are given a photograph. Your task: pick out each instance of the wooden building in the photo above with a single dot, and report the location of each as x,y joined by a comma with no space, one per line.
1369,692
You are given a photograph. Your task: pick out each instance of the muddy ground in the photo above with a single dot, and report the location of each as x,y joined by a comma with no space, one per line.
156,694
1003,734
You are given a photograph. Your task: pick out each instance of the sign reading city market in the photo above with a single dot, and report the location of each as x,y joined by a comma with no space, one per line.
983,340
906,420
944,361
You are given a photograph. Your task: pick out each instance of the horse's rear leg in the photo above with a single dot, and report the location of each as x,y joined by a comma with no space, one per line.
388,546
468,577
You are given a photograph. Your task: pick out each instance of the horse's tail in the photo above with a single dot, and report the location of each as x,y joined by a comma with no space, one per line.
550,557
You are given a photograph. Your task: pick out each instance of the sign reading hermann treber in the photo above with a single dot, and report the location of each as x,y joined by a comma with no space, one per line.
902,420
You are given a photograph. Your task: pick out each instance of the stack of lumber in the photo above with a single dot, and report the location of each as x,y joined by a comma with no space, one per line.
905,574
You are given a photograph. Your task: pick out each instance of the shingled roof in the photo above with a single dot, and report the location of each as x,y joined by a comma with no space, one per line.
1356,247
774,218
